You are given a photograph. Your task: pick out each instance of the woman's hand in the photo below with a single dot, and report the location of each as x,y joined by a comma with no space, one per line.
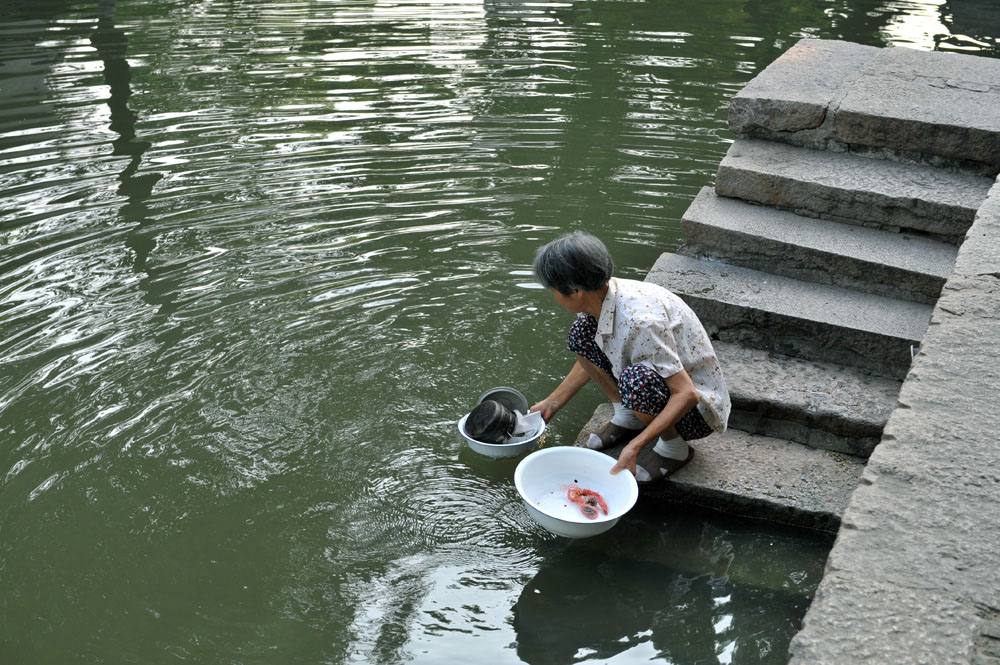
627,459
547,407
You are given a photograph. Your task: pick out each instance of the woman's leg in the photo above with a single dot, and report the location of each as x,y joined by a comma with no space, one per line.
646,393
624,425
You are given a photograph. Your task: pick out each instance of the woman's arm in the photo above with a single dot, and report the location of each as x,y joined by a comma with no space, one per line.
683,398
576,379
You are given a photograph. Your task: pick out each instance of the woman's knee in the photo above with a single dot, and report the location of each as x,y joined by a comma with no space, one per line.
643,390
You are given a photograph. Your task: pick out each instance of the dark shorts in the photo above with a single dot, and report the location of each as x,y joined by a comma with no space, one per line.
641,388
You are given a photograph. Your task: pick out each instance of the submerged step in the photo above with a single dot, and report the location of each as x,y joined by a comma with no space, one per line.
796,318
897,265
686,554
756,476
852,189
822,405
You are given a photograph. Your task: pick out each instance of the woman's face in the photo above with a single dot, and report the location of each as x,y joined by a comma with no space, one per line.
572,302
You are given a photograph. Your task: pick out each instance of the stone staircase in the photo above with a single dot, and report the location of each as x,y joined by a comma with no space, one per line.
815,262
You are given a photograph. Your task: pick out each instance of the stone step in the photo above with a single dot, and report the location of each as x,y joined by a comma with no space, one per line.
822,405
900,103
852,189
756,476
796,318
896,265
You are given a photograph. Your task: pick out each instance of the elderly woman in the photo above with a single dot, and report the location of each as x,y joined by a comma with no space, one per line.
645,349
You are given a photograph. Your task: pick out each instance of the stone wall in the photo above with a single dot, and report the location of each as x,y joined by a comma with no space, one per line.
913,575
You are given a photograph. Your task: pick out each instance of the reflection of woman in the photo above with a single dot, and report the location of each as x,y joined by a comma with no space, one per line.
644,347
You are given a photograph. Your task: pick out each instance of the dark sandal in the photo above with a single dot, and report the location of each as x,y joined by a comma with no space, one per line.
659,467
610,435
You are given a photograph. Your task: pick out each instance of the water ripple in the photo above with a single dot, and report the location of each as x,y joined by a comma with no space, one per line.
256,259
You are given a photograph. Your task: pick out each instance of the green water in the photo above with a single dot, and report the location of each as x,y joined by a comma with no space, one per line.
256,258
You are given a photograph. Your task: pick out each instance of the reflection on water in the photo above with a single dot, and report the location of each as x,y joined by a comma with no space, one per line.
971,26
257,257
697,591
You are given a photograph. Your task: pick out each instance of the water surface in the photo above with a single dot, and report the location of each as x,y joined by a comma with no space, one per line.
256,258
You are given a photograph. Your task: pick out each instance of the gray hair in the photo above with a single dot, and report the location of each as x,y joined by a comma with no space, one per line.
573,261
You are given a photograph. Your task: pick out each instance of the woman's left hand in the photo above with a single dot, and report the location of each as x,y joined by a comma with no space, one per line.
627,460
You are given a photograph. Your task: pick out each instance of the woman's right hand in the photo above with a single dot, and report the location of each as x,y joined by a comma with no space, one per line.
557,399
547,407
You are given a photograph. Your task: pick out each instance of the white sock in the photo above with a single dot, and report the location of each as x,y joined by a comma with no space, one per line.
673,448
625,418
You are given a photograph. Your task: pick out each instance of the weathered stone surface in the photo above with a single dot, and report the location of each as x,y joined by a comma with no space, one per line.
796,318
937,103
980,253
852,189
912,627
819,404
875,261
795,93
898,104
756,476
918,548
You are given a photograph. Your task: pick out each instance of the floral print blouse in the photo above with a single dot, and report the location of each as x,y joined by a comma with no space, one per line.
643,323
